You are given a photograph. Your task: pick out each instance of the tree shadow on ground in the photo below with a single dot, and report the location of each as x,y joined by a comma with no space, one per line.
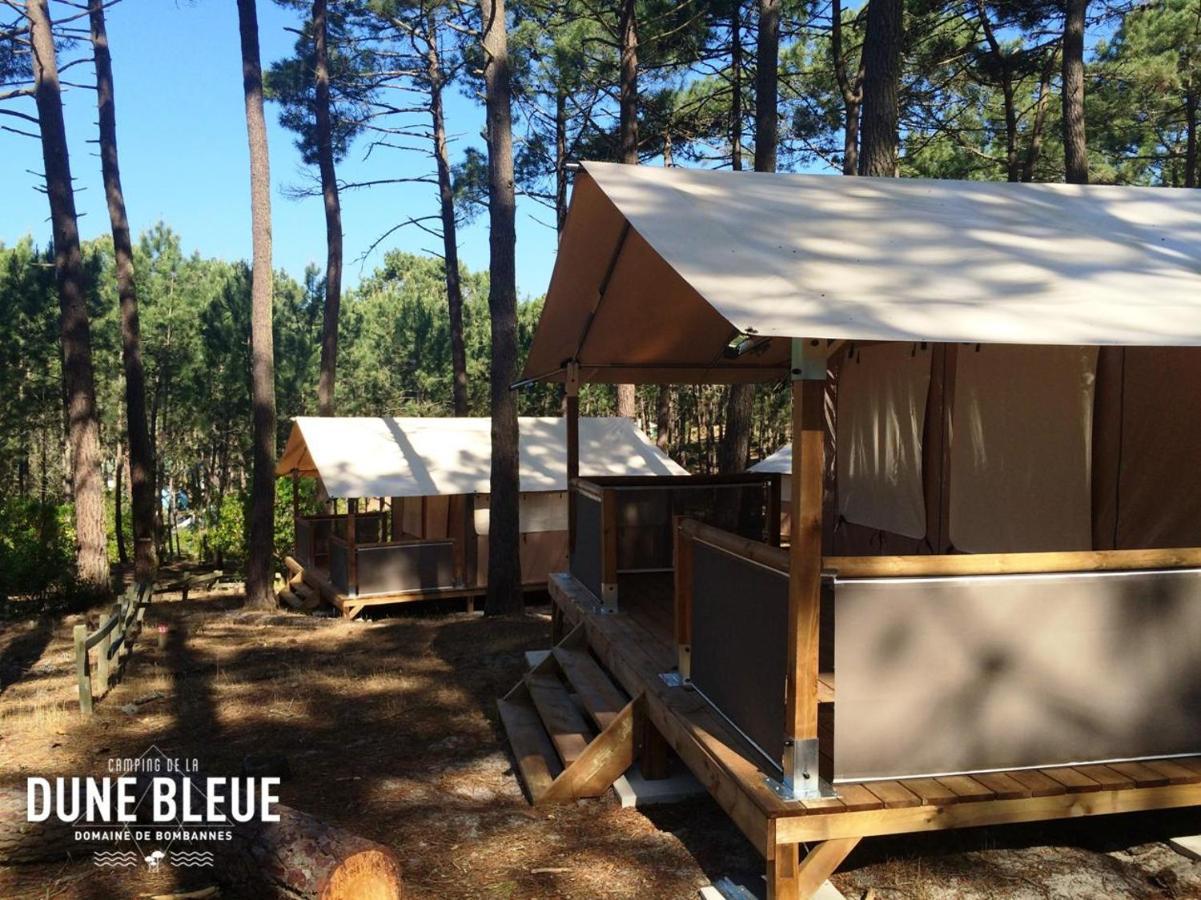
21,653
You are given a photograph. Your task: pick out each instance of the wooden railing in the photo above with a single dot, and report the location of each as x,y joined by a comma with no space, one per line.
113,642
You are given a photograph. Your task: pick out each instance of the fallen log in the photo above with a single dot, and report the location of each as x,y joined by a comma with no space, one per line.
302,856
298,856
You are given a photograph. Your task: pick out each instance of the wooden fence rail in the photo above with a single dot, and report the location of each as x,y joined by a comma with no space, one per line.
113,642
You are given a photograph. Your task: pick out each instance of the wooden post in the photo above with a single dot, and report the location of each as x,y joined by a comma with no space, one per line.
352,555
801,753
683,591
470,541
773,509
83,675
296,513
102,656
573,448
609,534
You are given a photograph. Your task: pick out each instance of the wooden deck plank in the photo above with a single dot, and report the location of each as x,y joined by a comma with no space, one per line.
1140,773
855,796
567,729
1038,784
966,788
1174,771
531,747
1073,780
894,794
1106,777
1003,785
600,697
931,791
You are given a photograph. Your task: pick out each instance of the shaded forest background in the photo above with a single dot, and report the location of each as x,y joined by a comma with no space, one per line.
1018,90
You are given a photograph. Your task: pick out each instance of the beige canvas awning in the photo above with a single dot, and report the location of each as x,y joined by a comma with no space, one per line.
659,270
422,457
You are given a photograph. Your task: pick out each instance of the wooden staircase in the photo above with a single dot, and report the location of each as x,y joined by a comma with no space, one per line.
571,728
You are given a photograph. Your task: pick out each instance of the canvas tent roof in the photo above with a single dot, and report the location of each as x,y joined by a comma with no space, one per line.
419,457
659,269
779,462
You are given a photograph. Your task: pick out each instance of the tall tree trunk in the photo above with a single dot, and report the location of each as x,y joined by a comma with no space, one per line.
628,127
734,452
119,505
736,85
1013,171
1075,149
881,80
1190,138
141,453
450,240
560,161
504,539
767,64
333,213
1034,148
259,581
79,390
851,90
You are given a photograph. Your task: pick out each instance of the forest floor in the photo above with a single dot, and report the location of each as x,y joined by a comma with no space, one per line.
391,731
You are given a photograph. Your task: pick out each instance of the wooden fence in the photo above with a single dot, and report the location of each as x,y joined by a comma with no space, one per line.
113,642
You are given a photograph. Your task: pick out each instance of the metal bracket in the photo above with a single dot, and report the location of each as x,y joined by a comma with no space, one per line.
801,780
608,598
808,360
824,791
572,383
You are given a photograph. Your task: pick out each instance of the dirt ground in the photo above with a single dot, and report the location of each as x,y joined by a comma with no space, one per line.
391,731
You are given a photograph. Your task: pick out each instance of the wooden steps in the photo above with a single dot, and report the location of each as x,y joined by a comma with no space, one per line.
570,727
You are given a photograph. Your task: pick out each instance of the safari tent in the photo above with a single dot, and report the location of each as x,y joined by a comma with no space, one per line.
416,495
990,603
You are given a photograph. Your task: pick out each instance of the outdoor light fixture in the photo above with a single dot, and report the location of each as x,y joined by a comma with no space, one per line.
743,344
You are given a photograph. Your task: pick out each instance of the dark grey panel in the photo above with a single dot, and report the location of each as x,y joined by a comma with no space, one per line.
739,642
406,567
304,542
969,674
586,555
338,566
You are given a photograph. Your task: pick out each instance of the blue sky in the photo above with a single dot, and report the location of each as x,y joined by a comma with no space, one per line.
182,136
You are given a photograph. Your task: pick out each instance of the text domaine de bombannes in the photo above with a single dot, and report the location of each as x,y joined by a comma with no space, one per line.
174,798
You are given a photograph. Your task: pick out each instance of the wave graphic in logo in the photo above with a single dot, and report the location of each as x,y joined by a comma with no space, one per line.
195,858
116,858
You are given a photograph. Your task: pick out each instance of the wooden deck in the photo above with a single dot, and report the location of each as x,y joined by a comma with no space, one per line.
350,606
635,646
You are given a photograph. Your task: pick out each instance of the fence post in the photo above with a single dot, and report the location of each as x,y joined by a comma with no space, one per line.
82,674
609,539
103,662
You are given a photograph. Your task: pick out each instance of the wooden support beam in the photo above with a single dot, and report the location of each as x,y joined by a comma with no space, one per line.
609,541
683,597
1012,563
573,448
352,555
791,879
296,511
801,754
773,509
